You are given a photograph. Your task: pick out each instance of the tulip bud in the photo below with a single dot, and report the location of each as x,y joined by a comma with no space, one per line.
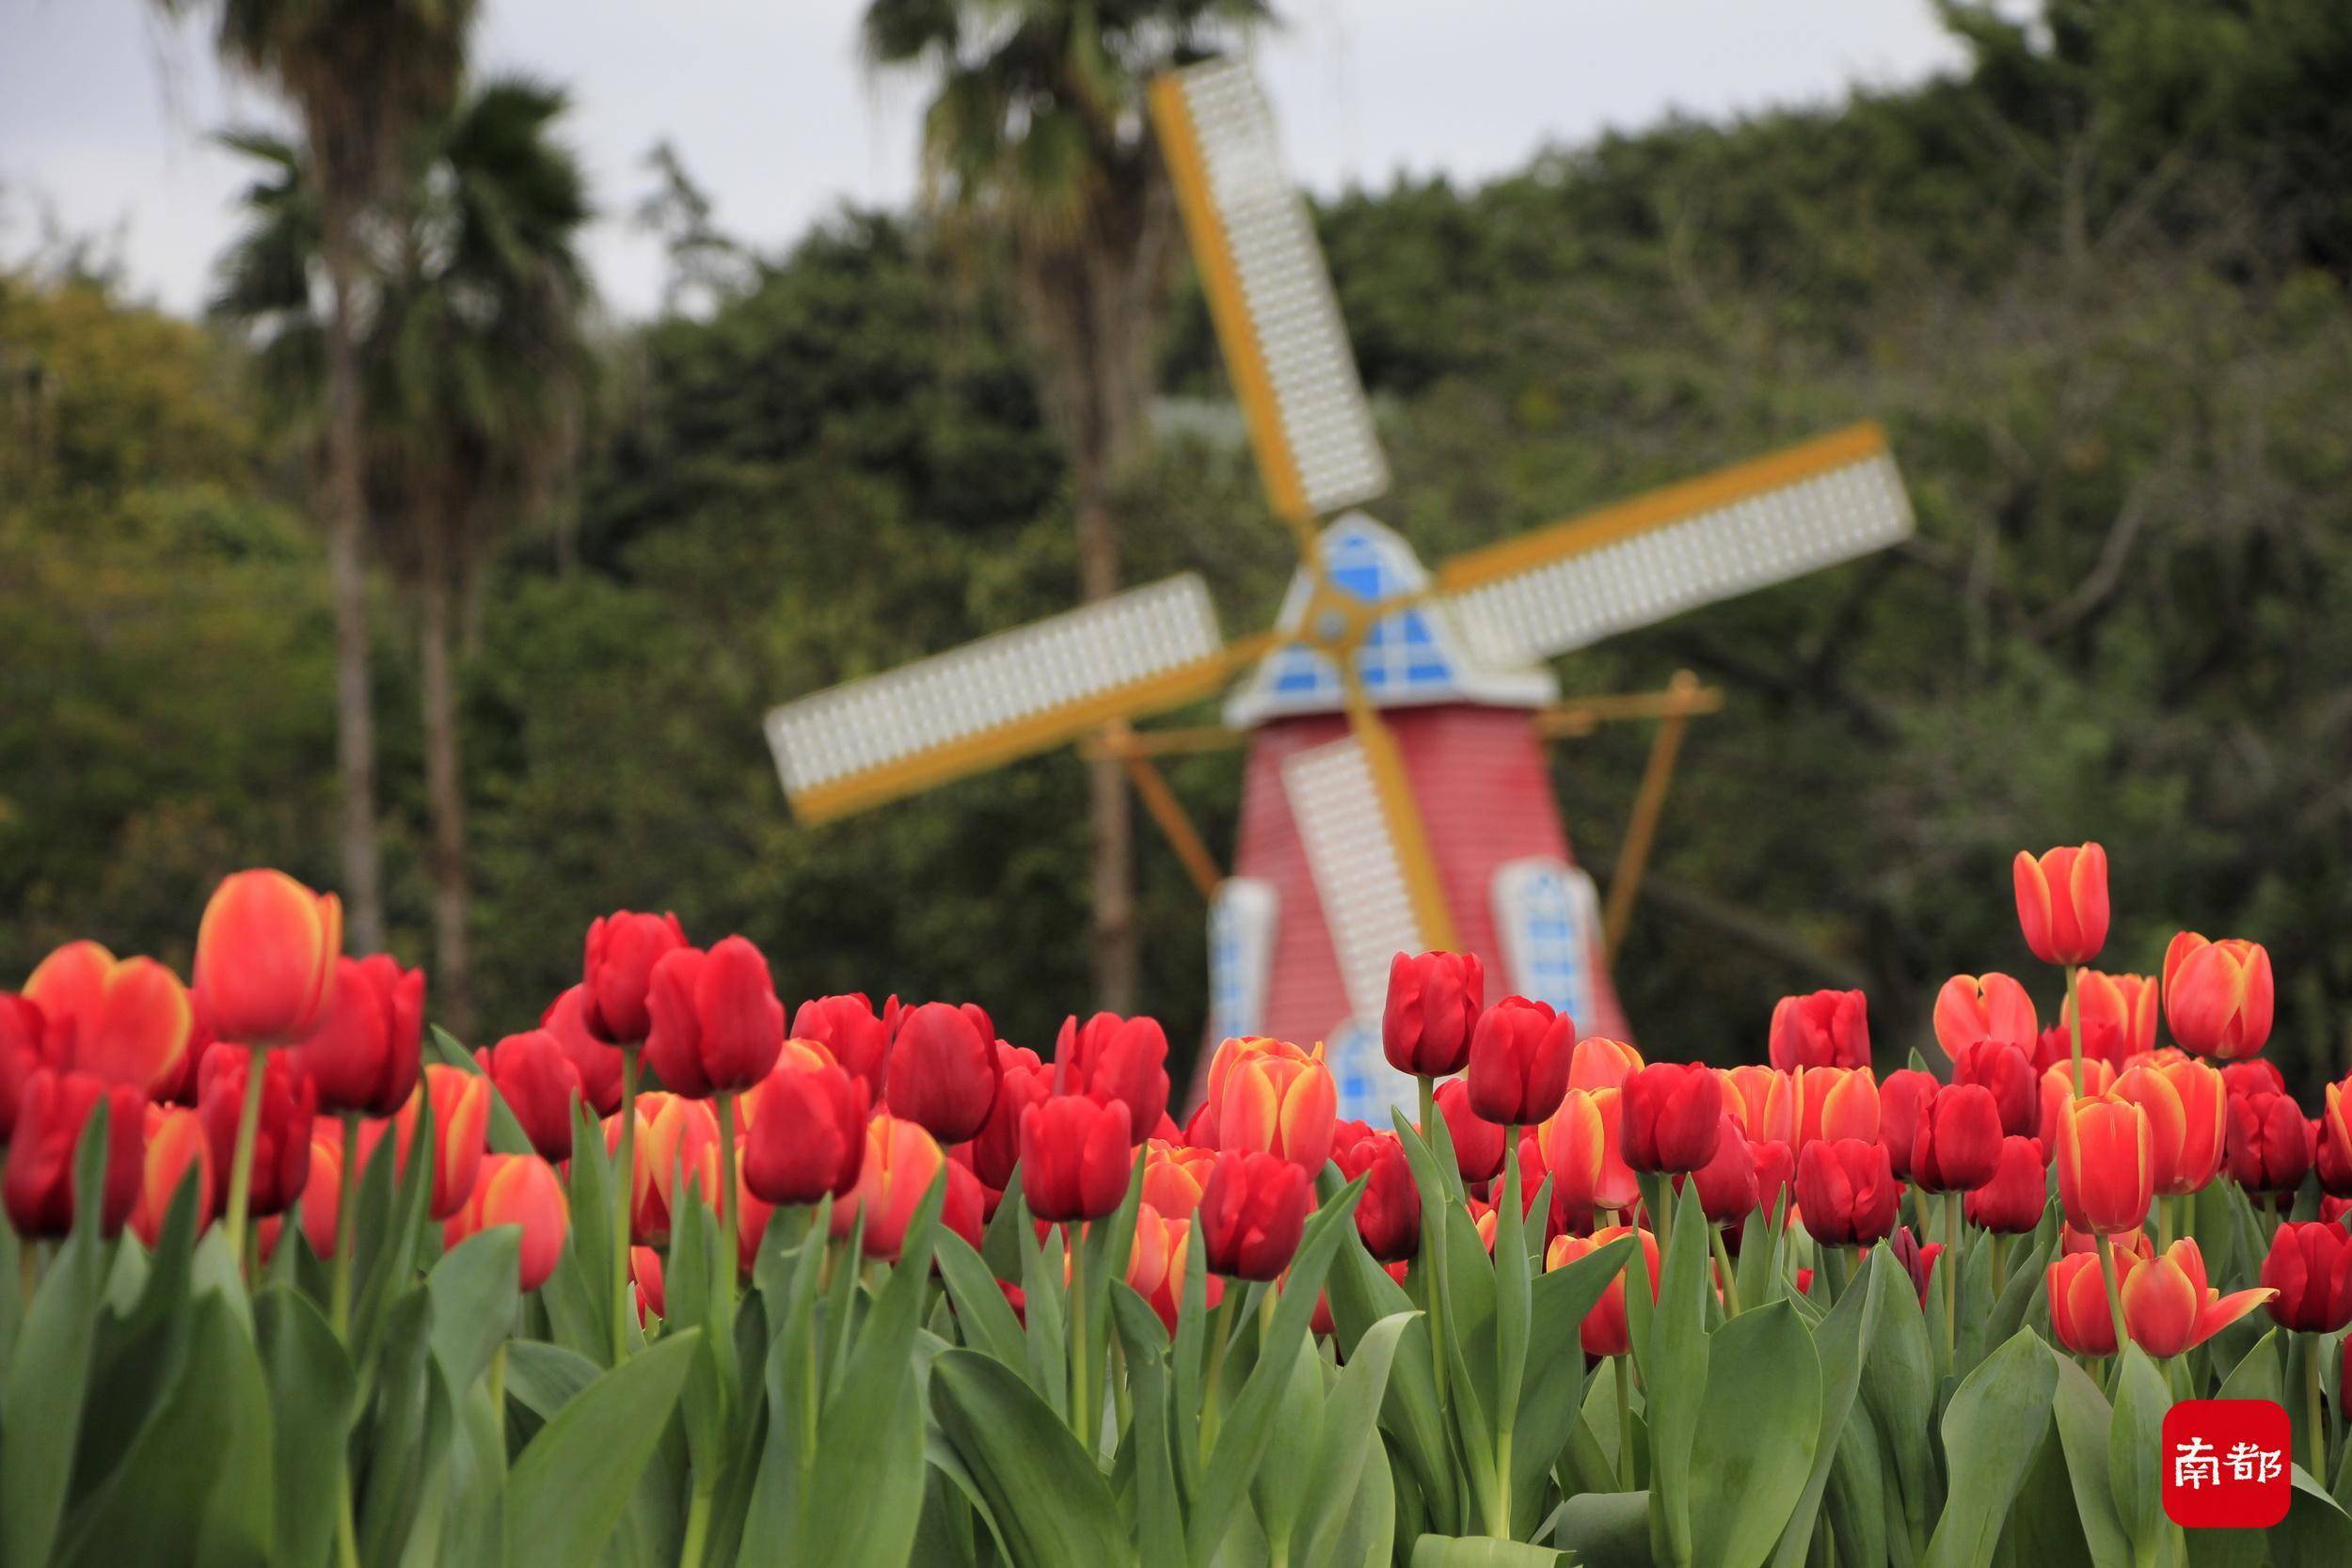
808,1139
2107,1175
1147,1257
2187,1119
2119,1013
1828,1028
2012,1203
1835,1102
1600,1063
53,1114
265,955
600,1065
540,1085
1674,1115
1074,1158
617,970
1959,1145
2309,1266
1388,1215
1433,1007
1125,1059
2169,1308
1477,1142
1903,1102
1572,1145
1278,1098
1973,1007
123,1020
901,1162
461,1123
2062,903
520,1190
177,1154
1519,1061
2217,995
2080,1317
1022,1081
1775,1174
365,1054
2268,1144
2253,1076
1764,1099
2057,1092
21,1028
716,1023
320,1208
1604,1330
848,1027
282,1138
2006,1071
1726,1183
943,1071
1915,1261
2331,1146
1847,1191
645,1275
1252,1213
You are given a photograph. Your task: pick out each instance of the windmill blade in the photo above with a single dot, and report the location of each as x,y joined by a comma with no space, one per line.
1269,292
1003,697
1359,874
1641,560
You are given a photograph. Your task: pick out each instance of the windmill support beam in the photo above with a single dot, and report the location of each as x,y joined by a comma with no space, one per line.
1641,830
1168,813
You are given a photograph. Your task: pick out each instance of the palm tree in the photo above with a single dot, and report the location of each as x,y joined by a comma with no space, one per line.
1037,131
361,74
470,373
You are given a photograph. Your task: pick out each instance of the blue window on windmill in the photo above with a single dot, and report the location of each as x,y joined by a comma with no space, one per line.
1401,652
1548,916
1366,1087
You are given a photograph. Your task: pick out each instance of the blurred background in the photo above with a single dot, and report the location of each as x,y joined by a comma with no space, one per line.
691,358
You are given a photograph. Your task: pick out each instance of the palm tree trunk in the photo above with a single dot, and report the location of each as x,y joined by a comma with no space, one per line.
452,973
346,564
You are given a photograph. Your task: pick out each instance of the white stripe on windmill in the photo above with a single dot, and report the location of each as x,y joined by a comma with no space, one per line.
1382,687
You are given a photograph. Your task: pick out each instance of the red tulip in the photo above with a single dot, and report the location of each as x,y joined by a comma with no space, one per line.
1074,1158
124,1021
677,1146
809,1136
1847,1192
1477,1142
600,1065
1604,1330
2217,995
644,1273
1275,1098
716,1022
281,1141
53,1112
2062,903
2170,1309
1252,1213
535,1077
2310,1265
1388,1215
2081,1317
1973,1007
1110,1057
2268,1144
901,1164
365,1054
265,955
1903,1102
1726,1183
177,1152
1828,1028
1519,1061
2006,1071
1022,1081
2106,1172
942,1071
2012,1203
617,970
21,1030
461,1121
1915,1261
1673,1116
2332,1159
321,1191
848,1027
1959,1147
2252,1076
1433,1007
1775,1172
520,1190
2187,1119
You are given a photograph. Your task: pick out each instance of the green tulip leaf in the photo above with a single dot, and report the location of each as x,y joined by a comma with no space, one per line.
1841,1342
1992,1431
1759,1424
49,1373
1443,1551
567,1490
1045,1496
2084,1420
1603,1529
312,1394
1350,1436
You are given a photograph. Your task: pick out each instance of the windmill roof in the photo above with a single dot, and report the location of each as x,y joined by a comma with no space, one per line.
1413,656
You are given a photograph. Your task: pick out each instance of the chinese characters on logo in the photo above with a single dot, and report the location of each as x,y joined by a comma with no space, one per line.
2226,1464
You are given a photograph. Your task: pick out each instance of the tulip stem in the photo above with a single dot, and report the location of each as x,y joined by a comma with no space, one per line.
498,1391
346,1226
1220,1330
2075,1025
730,1246
2115,1295
2312,1419
697,1529
1087,1431
1625,1422
624,1183
2163,1222
1434,1249
2000,1261
1723,1261
1951,1269
240,1158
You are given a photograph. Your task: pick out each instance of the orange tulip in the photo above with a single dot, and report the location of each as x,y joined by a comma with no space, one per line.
1837,1103
1173,1174
2057,1089
2119,1013
1600,1063
2062,902
1277,1100
323,1193
461,1124
1582,1147
265,955
901,1163
2106,1172
123,1020
176,1148
520,1190
1157,1239
1763,1101
1973,1007
2080,1317
1603,1331
2168,1307
2187,1119
2217,995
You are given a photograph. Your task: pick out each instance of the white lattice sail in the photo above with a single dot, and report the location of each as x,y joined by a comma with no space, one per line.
1366,905
1005,696
1633,564
1270,293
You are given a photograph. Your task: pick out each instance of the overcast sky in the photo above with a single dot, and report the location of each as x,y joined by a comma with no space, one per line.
105,112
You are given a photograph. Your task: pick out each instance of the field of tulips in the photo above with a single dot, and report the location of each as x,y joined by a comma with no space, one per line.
671,1279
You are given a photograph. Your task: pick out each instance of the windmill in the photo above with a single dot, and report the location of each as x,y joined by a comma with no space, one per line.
1396,796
